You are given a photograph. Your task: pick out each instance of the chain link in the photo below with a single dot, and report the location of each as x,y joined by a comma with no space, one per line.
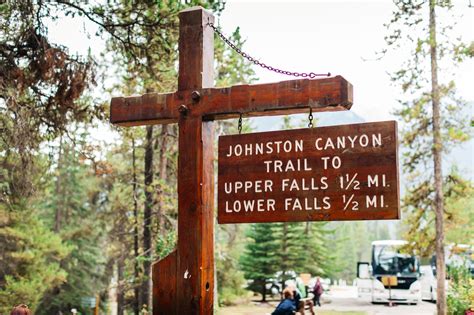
239,126
310,75
310,118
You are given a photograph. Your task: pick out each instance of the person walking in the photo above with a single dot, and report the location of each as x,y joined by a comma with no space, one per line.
317,291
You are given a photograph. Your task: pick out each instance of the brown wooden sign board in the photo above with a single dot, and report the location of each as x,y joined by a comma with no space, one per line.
347,172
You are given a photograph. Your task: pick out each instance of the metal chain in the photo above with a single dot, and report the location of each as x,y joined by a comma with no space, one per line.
310,75
239,126
310,118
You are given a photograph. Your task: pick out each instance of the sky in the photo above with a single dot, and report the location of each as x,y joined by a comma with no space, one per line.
341,37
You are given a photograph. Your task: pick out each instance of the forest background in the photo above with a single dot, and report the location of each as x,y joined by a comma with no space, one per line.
86,207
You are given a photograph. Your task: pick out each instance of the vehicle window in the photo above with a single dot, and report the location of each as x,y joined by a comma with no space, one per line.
388,260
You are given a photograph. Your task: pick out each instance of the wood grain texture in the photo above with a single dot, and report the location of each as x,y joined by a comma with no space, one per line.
283,98
368,154
196,50
195,273
164,285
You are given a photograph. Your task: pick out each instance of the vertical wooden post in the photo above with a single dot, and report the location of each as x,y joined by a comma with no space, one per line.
183,282
195,269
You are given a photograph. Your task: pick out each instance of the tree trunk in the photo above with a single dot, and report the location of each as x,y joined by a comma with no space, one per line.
264,291
120,286
59,195
136,267
284,250
69,151
163,176
438,178
147,217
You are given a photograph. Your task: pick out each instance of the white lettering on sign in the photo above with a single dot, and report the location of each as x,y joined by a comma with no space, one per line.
259,205
257,186
249,149
352,142
287,166
373,180
307,204
288,184
375,201
333,161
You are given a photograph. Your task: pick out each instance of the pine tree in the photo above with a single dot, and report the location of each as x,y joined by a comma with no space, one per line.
433,121
260,258
80,226
125,196
318,249
40,87
30,256
290,255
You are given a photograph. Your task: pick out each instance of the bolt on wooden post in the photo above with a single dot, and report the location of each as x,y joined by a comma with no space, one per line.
183,282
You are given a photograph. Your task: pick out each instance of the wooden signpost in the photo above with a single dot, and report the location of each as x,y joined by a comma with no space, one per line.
183,282
347,172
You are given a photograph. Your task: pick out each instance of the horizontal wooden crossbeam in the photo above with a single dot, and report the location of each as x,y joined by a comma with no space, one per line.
286,97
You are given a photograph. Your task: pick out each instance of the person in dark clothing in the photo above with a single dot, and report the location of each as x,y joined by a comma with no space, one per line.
300,305
287,306
296,296
317,291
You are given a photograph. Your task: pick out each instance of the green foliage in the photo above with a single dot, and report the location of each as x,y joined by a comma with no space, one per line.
420,230
291,253
228,60
260,258
228,248
346,242
350,242
283,249
72,200
165,244
318,249
461,291
461,223
30,256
